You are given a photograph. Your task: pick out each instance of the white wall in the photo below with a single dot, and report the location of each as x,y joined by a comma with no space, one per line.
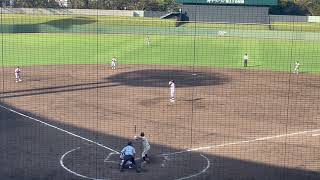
314,19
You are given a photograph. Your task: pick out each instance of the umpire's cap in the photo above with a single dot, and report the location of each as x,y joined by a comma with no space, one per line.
129,143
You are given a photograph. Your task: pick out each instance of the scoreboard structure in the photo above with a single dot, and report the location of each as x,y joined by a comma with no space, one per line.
231,2
227,11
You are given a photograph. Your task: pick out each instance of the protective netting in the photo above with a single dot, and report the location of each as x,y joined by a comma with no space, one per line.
75,88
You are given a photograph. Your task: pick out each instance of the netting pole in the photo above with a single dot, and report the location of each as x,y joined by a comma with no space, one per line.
2,56
4,137
193,72
288,103
97,91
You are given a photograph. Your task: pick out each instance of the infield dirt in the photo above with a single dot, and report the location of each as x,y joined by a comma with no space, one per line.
213,106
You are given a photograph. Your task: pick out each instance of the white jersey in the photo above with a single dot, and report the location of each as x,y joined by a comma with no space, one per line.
17,70
172,85
297,65
113,63
172,90
145,143
245,57
145,146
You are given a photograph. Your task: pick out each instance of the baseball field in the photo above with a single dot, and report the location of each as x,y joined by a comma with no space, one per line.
72,114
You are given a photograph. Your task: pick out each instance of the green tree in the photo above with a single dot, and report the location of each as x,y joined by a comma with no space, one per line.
313,6
111,4
76,4
297,7
169,5
316,9
288,7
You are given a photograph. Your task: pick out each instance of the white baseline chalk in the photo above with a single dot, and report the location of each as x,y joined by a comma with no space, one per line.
72,172
65,131
243,142
199,173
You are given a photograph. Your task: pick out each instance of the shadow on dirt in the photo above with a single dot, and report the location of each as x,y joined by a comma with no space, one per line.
31,149
56,89
160,78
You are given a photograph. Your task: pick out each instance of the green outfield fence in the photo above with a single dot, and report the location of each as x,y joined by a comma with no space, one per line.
72,113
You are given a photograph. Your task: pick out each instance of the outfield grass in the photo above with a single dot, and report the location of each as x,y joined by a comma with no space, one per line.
296,26
278,55
41,40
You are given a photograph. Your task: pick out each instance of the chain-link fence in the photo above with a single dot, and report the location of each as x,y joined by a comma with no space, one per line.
222,101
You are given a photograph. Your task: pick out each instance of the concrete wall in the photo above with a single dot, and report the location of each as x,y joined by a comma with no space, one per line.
314,19
89,12
154,14
229,14
284,18
269,18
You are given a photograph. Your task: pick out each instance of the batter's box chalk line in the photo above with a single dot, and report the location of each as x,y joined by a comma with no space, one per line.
107,160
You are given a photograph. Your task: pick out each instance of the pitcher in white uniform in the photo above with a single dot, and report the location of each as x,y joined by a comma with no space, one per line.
172,90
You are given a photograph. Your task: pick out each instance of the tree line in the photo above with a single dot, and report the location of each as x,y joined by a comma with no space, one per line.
297,7
285,7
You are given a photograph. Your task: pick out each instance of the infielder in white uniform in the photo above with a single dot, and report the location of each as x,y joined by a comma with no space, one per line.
296,67
145,145
148,41
17,73
113,63
172,90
